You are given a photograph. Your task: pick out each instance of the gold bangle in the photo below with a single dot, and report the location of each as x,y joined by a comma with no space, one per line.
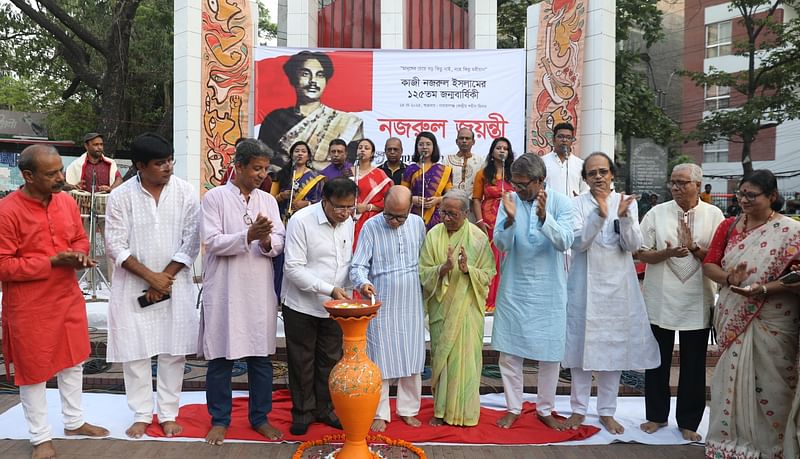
764,289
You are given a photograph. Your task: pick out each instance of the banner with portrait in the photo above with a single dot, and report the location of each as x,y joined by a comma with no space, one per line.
379,94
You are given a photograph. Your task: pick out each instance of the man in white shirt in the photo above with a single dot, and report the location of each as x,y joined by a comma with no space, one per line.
564,168
152,233
319,247
464,163
678,297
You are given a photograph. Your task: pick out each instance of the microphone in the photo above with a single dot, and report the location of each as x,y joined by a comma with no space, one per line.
563,149
502,156
94,180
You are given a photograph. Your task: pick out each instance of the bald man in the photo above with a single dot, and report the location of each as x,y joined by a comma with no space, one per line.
45,330
394,167
386,265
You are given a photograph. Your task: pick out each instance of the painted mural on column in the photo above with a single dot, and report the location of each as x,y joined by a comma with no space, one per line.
226,66
559,71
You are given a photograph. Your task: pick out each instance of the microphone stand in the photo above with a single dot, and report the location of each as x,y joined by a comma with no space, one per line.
291,194
91,272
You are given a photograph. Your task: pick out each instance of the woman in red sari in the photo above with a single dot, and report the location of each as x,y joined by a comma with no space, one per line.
487,193
372,183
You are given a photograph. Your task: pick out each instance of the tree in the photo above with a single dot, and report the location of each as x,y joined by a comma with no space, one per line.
96,56
637,114
769,84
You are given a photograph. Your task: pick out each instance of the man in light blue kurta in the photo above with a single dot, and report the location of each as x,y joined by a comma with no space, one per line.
534,229
386,264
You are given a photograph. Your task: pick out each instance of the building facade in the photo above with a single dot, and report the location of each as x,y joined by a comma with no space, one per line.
711,29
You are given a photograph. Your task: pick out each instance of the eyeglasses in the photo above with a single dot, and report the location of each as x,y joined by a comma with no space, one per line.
247,219
748,195
347,208
397,218
598,173
167,164
680,184
523,186
448,214
567,138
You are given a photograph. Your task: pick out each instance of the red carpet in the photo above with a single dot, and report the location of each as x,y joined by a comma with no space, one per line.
527,430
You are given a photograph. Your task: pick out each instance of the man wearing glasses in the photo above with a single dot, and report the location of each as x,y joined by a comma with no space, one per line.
386,265
319,247
679,298
242,232
151,233
564,168
607,326
531,316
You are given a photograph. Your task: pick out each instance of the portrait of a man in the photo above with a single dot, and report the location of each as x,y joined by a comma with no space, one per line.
309,119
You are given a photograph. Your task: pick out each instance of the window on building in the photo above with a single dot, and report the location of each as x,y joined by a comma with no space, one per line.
718,39
717,97
715,152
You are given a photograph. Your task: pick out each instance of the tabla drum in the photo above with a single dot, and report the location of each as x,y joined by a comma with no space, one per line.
84,200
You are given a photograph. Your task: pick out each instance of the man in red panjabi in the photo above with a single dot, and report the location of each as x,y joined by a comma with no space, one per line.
45,330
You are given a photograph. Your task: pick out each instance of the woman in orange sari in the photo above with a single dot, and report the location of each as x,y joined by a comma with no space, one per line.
372,183
756,319
487,193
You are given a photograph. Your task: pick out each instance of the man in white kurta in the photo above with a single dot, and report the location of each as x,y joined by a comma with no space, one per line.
563,167
464,163
319,248
241,230
386,264
678,297
152,235
607,326
531,316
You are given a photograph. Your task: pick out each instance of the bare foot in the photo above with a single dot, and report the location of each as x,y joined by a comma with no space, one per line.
44,451
171,428
436,422
691,435
574,421
216,436
88,430
612,426
551,422
651,426
411,420
136,430
267,431
378,425
506,421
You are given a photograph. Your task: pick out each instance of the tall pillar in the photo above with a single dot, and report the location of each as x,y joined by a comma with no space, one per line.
301,23
597,113
283,10
482,24
392,24
187,112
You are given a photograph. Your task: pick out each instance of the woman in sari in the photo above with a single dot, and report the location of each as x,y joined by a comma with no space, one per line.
756,321
427,179
487,193
297,185
372,183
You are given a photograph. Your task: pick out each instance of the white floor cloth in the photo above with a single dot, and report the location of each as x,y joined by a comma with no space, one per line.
111,411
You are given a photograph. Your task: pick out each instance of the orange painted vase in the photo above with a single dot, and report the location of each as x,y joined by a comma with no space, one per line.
355,382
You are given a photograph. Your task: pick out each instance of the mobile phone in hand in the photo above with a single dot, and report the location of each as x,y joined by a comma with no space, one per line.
792,277
143,302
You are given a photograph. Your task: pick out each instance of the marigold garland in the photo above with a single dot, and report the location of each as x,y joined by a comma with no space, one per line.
377,438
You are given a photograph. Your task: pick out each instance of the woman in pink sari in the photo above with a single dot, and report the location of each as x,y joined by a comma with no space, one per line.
372,183
487,193
756,321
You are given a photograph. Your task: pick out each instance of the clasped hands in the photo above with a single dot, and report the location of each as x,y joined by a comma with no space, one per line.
448,265
260,231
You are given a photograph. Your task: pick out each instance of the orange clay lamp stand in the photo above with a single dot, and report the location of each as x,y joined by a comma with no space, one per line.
355,385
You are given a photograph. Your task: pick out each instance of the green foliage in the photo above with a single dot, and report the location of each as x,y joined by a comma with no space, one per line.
511,20
770,85
267,30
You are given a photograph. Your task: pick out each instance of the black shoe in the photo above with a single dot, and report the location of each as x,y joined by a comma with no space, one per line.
298,428
331,420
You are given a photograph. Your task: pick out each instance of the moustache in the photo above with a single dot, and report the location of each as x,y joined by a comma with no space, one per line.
58,186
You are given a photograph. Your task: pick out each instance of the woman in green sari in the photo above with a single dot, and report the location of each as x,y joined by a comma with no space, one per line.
456,266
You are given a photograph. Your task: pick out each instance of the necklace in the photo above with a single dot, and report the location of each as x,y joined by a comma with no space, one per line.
756,226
